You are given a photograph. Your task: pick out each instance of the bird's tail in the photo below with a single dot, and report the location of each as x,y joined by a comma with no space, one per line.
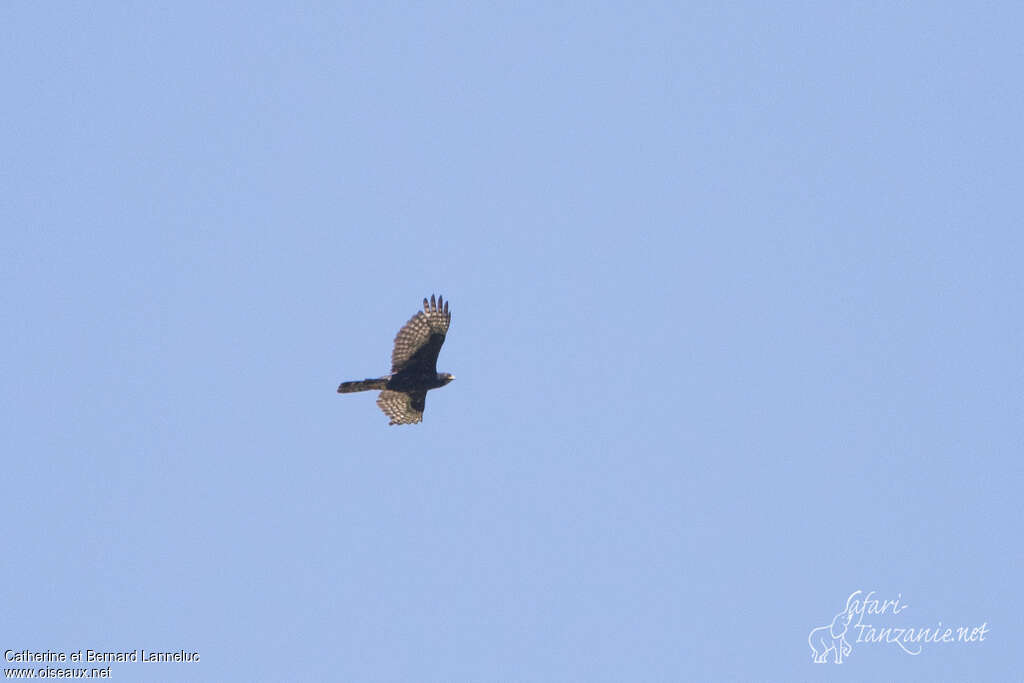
363,385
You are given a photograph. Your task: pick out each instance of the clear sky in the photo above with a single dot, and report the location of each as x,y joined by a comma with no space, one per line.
736,324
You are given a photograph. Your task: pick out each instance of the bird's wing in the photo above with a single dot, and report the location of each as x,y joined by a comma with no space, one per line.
419,341
404,408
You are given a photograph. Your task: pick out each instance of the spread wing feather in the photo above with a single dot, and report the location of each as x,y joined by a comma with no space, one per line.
404,408
419,341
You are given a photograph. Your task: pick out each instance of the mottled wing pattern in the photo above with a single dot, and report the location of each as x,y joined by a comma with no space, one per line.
403,408
419,341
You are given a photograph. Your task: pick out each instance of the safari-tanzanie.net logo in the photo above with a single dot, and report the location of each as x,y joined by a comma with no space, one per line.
870,620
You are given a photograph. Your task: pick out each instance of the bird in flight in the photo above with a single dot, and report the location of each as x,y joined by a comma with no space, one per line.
414,372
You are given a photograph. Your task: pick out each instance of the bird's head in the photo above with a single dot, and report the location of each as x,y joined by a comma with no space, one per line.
445,377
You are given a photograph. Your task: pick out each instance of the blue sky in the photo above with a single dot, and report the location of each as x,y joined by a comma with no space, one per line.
736,327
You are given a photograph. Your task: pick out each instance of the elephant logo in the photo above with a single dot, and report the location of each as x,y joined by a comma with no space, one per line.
832,638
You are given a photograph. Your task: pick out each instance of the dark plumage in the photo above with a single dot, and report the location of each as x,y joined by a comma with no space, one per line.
413,365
